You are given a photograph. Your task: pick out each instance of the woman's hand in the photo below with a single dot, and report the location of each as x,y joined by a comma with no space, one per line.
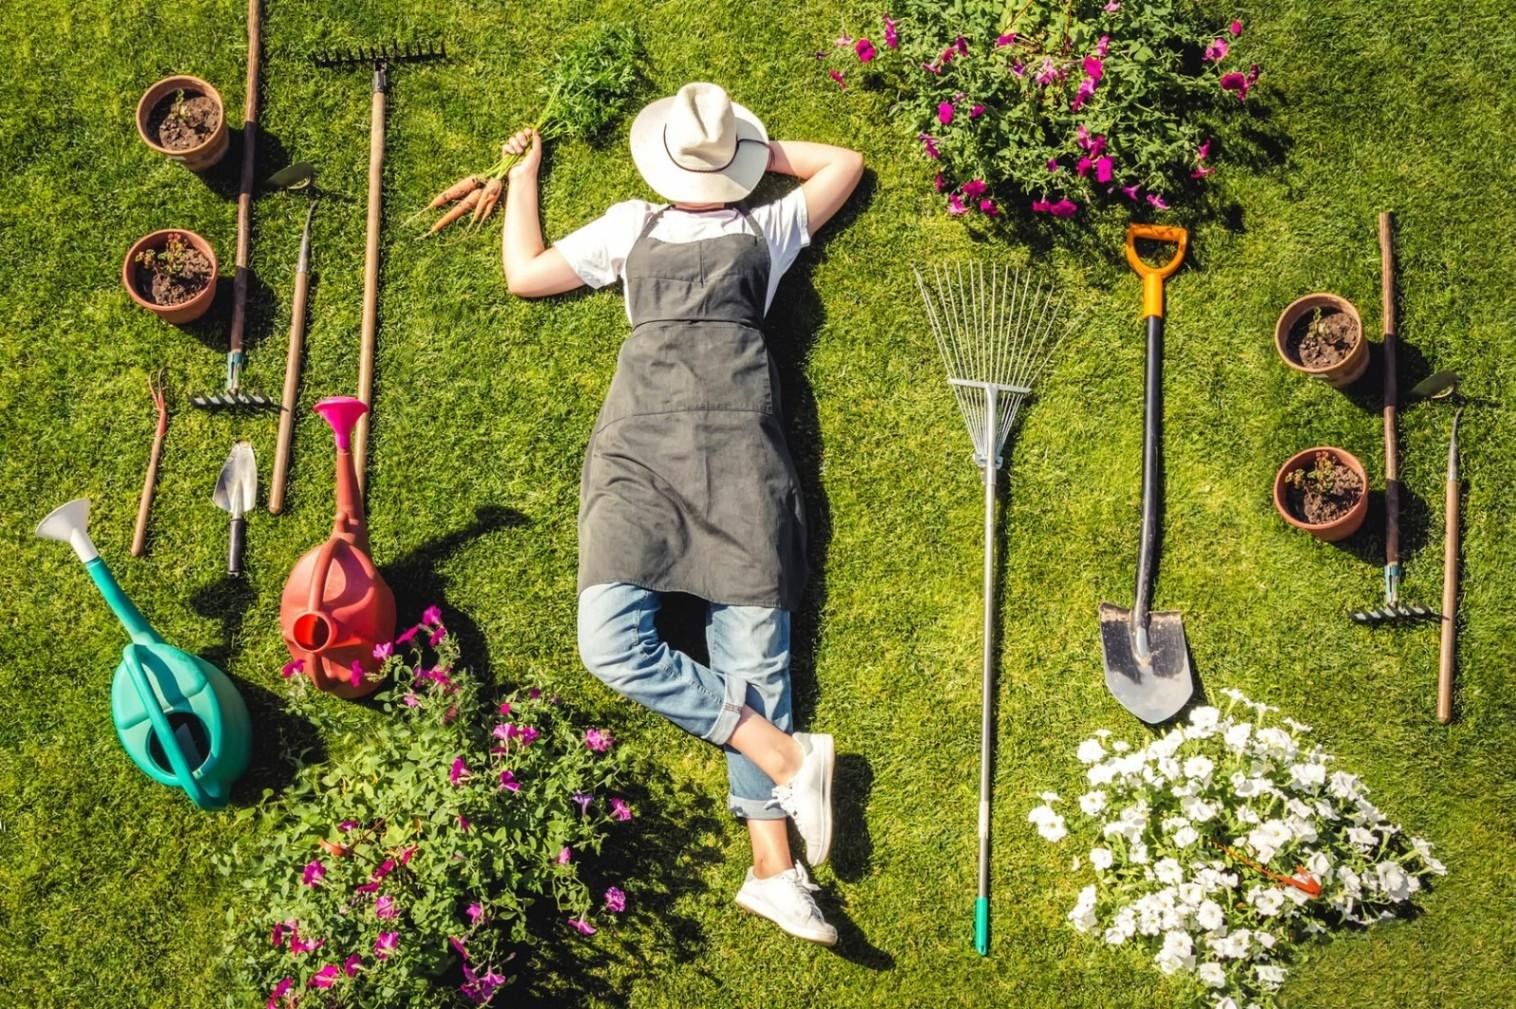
528,144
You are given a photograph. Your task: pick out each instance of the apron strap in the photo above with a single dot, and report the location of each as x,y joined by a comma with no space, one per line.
648,227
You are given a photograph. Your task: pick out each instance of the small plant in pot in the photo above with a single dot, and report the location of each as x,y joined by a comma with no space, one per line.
1322,336
183,118
171,273
1324,491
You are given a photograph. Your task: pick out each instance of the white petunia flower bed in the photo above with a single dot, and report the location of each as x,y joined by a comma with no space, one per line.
1223,843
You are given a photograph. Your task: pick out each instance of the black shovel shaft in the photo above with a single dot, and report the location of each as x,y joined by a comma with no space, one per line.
1152,470
234,553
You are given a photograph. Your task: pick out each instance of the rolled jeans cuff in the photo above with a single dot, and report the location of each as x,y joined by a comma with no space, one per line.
753,809
731,709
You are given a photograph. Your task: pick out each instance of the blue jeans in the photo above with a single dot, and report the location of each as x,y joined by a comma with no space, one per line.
750,665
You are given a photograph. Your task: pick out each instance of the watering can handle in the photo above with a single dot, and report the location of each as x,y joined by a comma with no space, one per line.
164,731
1154,276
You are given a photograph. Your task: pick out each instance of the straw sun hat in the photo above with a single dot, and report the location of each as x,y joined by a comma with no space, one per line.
699,146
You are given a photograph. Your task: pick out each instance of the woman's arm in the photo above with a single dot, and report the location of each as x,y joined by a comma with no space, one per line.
828,175
530,270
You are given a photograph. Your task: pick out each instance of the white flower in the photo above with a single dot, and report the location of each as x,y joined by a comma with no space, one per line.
1226,1002
1362,838
1054,830
1209,916
1168,870
1308,776
1090,752
1393,880
1264,939
1185,836
1120,746
1296,726
1137,854
1049,797
1092,802
1237,736
1304,830
1343,785
1191,894
1268,902
1204,717
1210,973
1101,858
1199,767
1115,936
1271,976
1425,851
1236,695
1197,809
1083,916
1267,838
1102,733
1352,886
1231,947
1319,865
1177,952
1102,774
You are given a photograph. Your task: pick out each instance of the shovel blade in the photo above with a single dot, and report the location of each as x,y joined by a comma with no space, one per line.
1154,688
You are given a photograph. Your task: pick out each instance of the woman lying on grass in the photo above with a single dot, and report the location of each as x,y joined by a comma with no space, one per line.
688,485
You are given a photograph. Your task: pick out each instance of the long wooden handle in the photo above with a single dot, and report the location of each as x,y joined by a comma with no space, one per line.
291,393
1391,448
1446,657
145,505
245,188
370,280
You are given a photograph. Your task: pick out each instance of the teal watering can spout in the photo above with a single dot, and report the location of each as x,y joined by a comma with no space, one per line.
178,717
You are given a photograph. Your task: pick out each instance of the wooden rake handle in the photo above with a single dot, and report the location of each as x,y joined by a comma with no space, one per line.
370,277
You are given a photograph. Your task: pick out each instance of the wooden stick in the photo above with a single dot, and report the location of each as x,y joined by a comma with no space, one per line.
242,277
145,504
1446,654
291,372
1391,449
370,277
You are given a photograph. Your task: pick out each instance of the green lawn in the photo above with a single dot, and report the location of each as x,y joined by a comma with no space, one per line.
484,404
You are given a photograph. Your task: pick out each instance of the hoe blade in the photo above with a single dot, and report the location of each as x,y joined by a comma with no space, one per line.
1156,688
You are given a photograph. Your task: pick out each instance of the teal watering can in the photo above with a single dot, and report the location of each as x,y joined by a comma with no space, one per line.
178,716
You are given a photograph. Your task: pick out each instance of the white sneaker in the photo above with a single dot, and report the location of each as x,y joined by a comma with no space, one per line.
786,901
807,797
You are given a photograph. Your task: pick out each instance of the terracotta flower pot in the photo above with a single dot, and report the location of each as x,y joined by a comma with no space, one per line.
201,156
1345,370
1343,525
180,312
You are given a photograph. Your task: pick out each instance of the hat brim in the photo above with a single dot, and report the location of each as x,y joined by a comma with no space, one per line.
680,185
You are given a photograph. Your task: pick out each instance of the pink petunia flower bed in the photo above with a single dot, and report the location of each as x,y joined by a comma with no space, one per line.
402,870
1053,108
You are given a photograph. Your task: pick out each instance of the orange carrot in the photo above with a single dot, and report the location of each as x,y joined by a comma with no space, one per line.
464,206
490,196
456,191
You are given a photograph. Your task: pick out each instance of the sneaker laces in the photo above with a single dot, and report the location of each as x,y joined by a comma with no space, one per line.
784,798
802,887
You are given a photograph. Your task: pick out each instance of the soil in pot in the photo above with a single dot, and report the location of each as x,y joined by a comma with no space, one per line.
1322,338
1323,492
172,274
183,120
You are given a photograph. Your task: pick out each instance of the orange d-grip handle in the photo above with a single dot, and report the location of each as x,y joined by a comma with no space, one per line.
1154,276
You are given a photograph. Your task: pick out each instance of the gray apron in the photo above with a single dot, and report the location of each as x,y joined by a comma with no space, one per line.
688,485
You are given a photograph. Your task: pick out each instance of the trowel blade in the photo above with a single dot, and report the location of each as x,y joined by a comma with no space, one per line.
1154,690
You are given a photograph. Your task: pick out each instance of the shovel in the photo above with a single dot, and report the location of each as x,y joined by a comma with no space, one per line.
236,488
1147,661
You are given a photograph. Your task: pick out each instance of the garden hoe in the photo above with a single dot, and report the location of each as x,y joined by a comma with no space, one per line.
234,397
996,329
297,176
379,57
236,489
1147,660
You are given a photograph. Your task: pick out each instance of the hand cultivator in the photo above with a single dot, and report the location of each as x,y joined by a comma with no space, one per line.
996,329
379,57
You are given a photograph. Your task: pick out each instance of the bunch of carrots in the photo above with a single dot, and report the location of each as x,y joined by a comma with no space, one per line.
591,84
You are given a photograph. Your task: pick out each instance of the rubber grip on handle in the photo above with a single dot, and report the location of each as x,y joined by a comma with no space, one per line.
234,554
982,926
1154,276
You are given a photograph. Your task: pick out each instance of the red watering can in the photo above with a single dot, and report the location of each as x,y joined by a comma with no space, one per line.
336,606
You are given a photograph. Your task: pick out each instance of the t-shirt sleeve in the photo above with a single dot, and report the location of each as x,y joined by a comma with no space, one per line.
597,251
786,227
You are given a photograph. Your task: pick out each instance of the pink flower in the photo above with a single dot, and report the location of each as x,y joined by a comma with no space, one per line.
988,208
350,965
372,886
891,36
385,944
598,740
529,735
1157,201
931,68
945,113
1217,50
408,635
464,823
534,693
1094,68
508,781
1082,94
409,699
385,908
1235,28
299,945
974,188
1112,7
1048,73
325,977
384,868
615,900
1008,39
505,708
1202,171
962,45
1203,151
1083,167
280,990
1103,169
475,912
836,75
1061,208
976,110
583,799
347,826
437,636
406,854
281,929
583,927
1053,165
480,988
459,771
457,945
929,144
939,183
384,650
313,873
432,616
865,50
357,673
1019,69
1240,83
620,810
957,208
292,668
1103,46
1131,192
564,855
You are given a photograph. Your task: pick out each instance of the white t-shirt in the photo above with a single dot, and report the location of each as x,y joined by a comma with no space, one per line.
597,252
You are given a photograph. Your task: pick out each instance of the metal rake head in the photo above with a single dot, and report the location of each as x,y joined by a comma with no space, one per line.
997,328
385,52
234,400
1395,613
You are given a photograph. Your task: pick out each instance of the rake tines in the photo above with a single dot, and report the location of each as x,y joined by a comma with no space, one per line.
233,400
1395,613
385,52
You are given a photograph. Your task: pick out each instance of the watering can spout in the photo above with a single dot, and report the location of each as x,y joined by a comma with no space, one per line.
341,413
69,523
